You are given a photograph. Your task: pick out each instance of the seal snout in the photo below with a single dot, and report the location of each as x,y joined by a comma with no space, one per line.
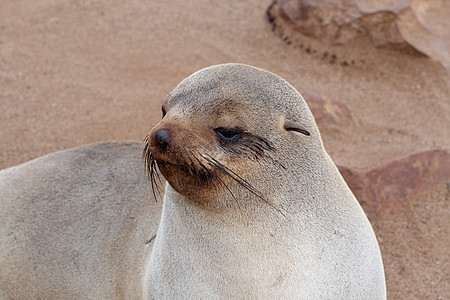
162,138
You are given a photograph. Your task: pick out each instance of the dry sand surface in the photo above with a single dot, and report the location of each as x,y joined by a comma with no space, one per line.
79,72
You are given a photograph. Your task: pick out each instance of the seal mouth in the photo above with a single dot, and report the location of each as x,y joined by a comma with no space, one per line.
190,167
166,163
199,169
202,175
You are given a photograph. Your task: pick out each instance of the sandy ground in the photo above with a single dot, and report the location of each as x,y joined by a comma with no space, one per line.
79,72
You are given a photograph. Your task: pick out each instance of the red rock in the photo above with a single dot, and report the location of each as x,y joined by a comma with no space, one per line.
422,24
383,189
327,112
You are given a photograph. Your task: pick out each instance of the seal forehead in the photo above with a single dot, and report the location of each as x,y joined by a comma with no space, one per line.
230,83
235,87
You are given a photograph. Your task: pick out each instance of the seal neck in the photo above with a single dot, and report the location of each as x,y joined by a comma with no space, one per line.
193,238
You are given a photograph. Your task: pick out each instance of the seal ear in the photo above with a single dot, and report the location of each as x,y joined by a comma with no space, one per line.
292,126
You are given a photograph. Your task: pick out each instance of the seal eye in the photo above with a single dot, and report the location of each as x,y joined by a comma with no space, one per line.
227,134
163,109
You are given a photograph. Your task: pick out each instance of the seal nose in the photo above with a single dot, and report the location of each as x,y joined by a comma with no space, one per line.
161,137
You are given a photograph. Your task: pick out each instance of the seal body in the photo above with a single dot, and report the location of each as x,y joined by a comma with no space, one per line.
254,206
76,224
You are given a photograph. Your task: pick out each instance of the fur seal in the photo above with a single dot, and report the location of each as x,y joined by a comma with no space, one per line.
253,207
77,224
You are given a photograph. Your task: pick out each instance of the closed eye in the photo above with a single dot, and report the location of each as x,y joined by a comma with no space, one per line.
163,110
228,134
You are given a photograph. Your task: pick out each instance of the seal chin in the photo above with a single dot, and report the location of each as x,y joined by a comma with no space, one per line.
168,169
173,172
187,175
182,180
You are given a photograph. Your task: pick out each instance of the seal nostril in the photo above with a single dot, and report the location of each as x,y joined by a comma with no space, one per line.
162,137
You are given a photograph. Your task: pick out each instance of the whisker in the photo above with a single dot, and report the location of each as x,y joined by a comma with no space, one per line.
217,178
151,166
225,170
169,95
210,175
156,179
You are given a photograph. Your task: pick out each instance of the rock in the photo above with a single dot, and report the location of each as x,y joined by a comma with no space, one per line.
422,24
425,26
327,112
383,189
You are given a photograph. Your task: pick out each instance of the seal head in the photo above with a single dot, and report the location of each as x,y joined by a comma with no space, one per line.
217,132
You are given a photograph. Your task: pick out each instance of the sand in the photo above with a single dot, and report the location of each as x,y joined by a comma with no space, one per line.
80,72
